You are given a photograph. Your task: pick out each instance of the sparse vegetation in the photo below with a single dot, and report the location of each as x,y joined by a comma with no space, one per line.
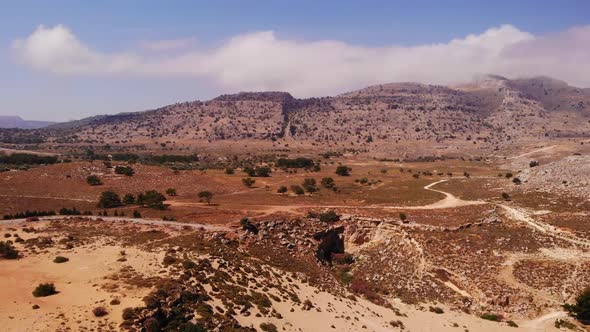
61,259
329,216
171,192
7,250
93,180
206,196
44,290
124,170
343,170
248,182
109,199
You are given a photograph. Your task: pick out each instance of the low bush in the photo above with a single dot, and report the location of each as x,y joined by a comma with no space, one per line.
60,259
43,290
93,180
329,216
100,311
7,250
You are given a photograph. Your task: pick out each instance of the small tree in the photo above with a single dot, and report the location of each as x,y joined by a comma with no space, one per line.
403,217
129,199
93,180
309,184
297,190
109,199
171,192
282,190
136,214
206,196
328,182
533,163
263,171
152,199
229,171
505,196
248,182
516,181
343,170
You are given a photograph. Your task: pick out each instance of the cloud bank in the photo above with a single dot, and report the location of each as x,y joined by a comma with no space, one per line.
263,61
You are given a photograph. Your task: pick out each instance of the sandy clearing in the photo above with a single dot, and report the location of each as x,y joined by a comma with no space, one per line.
78,282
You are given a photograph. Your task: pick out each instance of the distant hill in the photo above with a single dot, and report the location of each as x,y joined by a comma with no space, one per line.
487,114
18,122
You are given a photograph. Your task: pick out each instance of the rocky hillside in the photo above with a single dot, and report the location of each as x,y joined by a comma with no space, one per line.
491,112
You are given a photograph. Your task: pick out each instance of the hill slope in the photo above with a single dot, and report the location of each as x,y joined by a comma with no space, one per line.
489,113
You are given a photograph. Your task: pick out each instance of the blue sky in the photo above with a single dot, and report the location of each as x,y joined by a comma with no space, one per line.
41,89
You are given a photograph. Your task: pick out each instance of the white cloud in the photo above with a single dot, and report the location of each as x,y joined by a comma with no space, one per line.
263,61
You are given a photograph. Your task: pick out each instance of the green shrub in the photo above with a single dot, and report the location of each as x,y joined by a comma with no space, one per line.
436,310
328,182
297,190
109,199
229,171
329,216
60,259
492,317
93,180
268,327
206,196
343,170
171,192
282,190
129,199
152,199
309,184
512,323
44,290
248,182
125,170
100,311
7,250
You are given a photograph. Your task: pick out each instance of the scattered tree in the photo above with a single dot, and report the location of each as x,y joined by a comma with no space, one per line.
171,192
309,184
109,199
297,190
229,171
282,190
129,199
248,182
206,196
403,217
93,180
152,199
328,182
343,170
505,196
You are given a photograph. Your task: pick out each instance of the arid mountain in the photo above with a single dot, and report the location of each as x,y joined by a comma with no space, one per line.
18,122
491,113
